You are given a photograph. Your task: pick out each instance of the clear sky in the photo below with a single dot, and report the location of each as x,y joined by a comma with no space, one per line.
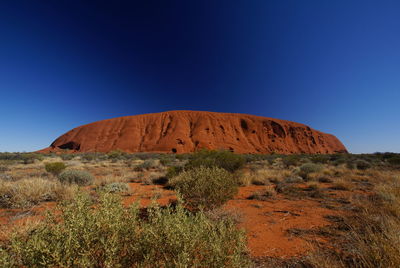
333,65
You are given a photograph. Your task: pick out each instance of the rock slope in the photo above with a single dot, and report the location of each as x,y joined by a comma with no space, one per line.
188,131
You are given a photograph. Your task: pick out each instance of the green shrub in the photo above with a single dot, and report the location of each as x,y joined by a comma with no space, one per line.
362,164
308,168
292,160
67,157
204,187
395,161
146,165
79,177
116,155
115,187
55,168
173,171
114,236
222,159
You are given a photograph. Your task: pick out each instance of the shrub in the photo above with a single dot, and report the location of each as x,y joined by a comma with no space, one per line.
205,187
263,195
116,155
308,168
114,236
67,157
55,168
115,187
362,164
26,193
291,160
3,168
222,159
79,177
173,171
293,179
394,161
146,165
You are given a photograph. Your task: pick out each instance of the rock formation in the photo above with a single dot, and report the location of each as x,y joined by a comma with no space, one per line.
188,131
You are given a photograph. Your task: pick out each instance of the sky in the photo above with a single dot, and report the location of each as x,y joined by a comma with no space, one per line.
332,65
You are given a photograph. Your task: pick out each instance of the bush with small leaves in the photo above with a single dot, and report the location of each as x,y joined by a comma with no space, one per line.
67,157
55,168
205,188
362,164
79,177
308,168
115,187
146,165
111,235
222,159
395,161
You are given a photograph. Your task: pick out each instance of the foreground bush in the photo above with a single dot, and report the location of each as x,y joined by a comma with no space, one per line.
26,193
222,159
113,236
55,168
204,187
79,177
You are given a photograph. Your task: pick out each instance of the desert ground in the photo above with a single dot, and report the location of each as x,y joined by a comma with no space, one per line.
154,210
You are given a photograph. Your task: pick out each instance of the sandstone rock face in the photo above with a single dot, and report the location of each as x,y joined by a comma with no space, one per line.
188,131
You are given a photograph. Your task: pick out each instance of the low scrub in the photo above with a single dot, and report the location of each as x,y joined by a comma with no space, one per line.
204,187
114,236
222,159
263,195
115,187
373,238
74,176
309,168
26,193
55,168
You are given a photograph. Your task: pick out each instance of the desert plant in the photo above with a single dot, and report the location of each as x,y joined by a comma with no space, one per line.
67,156
205,187
395,161
55,168
263,195
173,171
26,193
362,164
146,165
79,177
115,187
114,236
293,179
222,159
309,168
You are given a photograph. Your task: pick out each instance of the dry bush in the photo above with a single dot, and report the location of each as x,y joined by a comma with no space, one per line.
342,185
29,192
263,176
372,238
101,181
267,193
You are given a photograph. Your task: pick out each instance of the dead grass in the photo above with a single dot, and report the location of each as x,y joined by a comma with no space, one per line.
26,193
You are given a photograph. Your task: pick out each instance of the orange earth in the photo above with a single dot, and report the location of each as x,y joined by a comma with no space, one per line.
266,223
188,131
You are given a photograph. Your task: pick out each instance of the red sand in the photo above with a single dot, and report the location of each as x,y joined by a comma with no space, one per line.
266,222
188,131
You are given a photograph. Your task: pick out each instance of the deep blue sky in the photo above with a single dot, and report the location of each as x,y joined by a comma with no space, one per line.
333,65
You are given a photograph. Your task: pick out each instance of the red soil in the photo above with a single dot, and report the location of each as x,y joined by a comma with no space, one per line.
266,222
188,131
